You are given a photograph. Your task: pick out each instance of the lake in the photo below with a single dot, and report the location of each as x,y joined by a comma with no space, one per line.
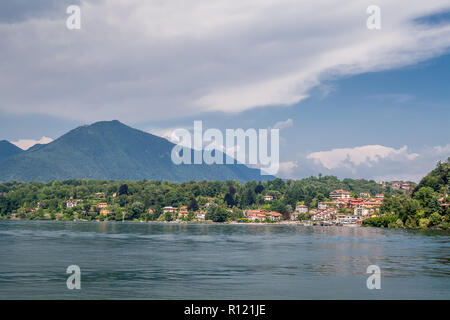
200,261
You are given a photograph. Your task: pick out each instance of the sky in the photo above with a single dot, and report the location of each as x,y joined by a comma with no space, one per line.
348,101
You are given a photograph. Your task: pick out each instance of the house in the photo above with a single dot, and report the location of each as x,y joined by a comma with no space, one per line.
102,205
72,203
274,216
268,197
361,211
322,205
255,216
364,195
183,211
340,194
105,212
348,219
405,186
300,208
327,214
150,211
169,209
200,215
396,185
353,203
294,216
379,196
247,213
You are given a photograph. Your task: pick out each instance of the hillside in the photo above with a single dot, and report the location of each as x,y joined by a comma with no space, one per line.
111,150
7,150
437,179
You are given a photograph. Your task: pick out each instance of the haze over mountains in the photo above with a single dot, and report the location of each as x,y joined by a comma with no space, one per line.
109,150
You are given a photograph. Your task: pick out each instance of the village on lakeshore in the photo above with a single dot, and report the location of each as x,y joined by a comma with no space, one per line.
342,210
341,207
312,201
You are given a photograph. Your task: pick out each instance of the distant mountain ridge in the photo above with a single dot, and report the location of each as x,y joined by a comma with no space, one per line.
7,149
110,150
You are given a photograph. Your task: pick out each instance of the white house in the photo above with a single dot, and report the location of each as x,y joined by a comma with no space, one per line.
361,211
340,194
200,215
170,209
300,208
72,203
348,219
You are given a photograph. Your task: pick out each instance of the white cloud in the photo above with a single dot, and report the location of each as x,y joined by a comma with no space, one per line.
287,168
135,60
284,124
441,150
367,155
25,144
370,162
167,133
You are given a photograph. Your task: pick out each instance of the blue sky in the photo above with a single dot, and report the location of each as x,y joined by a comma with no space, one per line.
349,101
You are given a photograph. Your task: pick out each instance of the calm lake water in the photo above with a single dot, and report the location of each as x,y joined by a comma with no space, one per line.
194,261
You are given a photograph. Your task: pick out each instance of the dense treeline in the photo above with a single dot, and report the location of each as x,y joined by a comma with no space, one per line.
426,207
132,199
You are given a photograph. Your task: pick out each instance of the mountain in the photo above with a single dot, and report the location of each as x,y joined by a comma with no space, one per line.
7,149
35,147
110,150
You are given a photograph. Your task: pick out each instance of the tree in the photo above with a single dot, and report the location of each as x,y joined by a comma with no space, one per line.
218,214
259,188
435,219
137,208
193,205
410,208
123,189
229,199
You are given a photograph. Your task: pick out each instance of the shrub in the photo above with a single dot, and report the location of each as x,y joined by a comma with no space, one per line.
435,219
424,223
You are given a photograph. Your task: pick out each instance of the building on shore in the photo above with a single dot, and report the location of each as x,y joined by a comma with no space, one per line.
170,209
301,208
340,194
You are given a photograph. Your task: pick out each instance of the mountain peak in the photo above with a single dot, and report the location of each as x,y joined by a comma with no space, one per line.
111,150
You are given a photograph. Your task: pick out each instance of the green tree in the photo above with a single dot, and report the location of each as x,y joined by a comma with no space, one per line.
435,219
137,208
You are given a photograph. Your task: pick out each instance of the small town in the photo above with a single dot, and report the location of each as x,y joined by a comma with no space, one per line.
313,201
343,209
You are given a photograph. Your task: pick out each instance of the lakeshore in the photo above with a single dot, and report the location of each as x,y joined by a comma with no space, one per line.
321,201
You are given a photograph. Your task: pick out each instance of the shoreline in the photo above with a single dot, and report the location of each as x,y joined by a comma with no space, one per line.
282,223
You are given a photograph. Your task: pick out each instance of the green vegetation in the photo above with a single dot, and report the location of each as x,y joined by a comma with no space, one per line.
131,200
426,207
